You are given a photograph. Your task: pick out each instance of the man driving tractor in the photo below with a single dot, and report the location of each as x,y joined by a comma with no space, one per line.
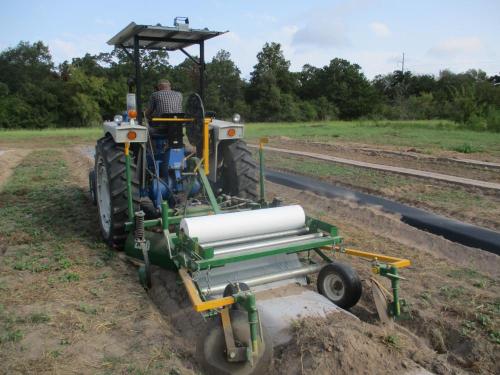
164,101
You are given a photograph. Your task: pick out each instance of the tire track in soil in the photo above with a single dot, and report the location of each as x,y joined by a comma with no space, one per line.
9,159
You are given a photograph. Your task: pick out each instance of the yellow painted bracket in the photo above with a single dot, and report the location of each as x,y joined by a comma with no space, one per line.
206,151
194,296
172,119
393,261
262,142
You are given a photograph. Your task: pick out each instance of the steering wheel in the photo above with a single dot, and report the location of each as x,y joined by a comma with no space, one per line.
195,110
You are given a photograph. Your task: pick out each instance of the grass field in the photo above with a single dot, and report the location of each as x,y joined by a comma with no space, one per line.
424,135
427,136
61,137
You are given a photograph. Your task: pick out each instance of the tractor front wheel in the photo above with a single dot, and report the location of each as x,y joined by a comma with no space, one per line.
111,190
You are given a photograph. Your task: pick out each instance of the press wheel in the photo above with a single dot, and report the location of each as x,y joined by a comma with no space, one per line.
211,348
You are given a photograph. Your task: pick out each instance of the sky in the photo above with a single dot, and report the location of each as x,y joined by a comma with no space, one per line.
433,35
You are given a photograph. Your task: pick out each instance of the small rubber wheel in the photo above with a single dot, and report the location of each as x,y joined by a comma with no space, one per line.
93,195
233,289
211,348
341,284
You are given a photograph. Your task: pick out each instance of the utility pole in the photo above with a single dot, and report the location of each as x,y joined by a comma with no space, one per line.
403,89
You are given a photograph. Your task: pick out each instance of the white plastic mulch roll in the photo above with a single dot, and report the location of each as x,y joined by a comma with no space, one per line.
243,224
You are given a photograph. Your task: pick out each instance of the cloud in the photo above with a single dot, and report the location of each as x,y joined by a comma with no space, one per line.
380,29
321,31
63,49
456,46
68,46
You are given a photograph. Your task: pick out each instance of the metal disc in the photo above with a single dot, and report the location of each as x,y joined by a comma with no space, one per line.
380,302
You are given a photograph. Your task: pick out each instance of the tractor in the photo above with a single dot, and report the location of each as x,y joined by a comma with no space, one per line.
200,210
157,148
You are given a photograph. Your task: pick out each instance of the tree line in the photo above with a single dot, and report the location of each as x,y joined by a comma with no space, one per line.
35,93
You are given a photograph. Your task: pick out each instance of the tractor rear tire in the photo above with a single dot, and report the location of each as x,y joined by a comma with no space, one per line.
111,190
238,174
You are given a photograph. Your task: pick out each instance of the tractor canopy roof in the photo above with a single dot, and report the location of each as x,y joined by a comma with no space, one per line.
161,37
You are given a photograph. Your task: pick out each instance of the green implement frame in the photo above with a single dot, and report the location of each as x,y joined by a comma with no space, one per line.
169,247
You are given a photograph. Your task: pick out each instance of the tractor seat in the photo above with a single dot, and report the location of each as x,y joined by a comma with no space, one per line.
172,131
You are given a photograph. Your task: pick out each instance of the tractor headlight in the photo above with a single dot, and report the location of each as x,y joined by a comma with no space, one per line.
118,119
236,118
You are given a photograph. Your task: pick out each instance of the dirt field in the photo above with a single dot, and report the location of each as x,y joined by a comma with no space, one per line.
467,203
70,305
443,162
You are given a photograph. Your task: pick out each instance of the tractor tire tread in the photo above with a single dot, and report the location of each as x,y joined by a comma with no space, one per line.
114,159
239,174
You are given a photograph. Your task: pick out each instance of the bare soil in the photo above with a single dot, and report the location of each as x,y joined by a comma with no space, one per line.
385,156
452,291
470,204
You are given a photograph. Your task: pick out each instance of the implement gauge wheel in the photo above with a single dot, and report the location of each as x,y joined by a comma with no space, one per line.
238,171
211,348
341,284
111,190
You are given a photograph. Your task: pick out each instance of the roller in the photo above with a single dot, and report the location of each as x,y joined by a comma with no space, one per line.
244,224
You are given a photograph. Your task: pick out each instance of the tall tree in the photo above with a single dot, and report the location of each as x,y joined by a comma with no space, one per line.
343,85
270,79
27,72
225,86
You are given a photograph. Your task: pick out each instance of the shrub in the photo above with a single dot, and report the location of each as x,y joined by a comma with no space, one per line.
493,120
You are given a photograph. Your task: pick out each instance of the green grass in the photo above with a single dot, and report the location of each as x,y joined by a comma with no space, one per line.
348,175
451,292
424,135
87,309
466,148
57,137
38,318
